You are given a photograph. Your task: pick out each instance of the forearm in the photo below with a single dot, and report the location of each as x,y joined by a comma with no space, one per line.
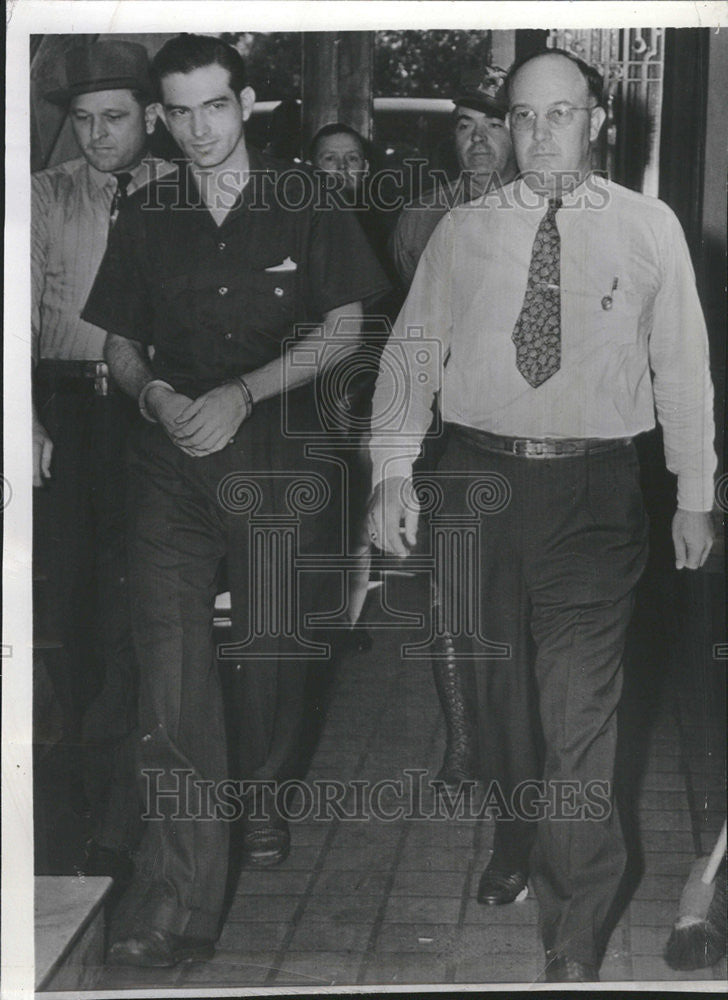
128,364
315,352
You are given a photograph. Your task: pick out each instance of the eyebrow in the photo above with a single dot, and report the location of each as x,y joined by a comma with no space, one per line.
104,111
184,107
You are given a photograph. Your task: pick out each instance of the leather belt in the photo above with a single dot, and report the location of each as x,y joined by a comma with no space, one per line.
537,447
76,376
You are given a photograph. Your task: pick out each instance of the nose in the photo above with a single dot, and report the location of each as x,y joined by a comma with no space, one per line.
198,123
541,128
481,134
98,128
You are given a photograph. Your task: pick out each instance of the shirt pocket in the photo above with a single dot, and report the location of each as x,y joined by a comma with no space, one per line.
273,298
605,317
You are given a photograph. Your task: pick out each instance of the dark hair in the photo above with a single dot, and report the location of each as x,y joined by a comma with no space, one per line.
592,77
336,128
187,52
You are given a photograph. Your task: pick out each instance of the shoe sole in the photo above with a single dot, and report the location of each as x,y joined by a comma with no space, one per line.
491,901
269,860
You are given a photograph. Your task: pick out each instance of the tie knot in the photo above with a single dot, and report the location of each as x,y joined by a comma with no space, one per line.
554,205
123,180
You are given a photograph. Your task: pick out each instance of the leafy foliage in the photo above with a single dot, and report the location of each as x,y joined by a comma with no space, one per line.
428,63
273,61
406,63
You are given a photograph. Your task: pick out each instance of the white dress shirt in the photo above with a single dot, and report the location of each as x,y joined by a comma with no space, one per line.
626,351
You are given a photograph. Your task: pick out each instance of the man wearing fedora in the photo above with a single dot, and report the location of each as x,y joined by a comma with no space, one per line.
80,428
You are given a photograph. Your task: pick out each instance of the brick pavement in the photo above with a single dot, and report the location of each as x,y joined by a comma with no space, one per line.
392,901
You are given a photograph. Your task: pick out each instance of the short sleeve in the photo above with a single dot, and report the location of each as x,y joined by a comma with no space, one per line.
120,300
341,267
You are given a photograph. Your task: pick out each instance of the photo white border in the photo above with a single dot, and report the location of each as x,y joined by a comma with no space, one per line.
27,17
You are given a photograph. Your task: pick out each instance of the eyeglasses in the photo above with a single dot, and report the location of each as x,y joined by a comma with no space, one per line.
522,117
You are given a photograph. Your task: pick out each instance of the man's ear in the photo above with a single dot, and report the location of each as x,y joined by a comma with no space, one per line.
247,100
151,113
597,116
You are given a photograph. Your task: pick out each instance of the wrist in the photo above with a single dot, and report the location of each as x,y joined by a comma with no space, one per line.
147,396
245,392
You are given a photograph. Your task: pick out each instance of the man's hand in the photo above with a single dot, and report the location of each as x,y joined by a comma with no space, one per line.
209,423
42,453
165,406
692,535
392,504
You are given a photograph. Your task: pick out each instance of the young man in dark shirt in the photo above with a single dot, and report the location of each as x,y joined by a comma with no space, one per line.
213,270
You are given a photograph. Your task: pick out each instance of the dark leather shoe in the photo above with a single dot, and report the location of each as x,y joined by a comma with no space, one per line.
266,846
562,969
499,887
158,949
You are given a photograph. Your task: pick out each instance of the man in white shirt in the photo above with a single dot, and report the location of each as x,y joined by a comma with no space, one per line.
567,313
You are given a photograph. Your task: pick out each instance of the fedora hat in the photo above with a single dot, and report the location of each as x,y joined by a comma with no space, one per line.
487,96
103,66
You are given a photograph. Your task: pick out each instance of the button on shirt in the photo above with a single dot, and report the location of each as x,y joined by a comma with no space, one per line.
70,206
217,301
648,351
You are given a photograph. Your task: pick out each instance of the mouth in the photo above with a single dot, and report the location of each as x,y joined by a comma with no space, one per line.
203,147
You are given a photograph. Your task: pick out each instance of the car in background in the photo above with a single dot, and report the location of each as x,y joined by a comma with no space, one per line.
414,130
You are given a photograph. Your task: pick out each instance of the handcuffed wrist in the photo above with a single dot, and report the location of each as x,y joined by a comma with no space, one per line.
240,382
142,401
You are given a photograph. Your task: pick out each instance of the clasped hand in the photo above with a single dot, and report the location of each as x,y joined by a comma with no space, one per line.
202,426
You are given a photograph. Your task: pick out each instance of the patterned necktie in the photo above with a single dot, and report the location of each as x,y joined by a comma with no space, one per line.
537,333
122,183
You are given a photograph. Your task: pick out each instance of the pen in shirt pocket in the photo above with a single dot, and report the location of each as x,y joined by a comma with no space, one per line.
608,300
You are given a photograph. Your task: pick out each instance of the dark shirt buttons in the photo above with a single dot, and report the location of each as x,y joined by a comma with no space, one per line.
221,246
222,290
228,336
278,292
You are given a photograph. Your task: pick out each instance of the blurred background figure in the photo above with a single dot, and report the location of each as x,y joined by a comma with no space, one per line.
339,150
285,131
482,145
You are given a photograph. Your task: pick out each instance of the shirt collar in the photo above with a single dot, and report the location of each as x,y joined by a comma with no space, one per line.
529,199
190,193
139,174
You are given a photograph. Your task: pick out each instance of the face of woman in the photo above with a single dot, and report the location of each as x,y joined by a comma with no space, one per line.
341,154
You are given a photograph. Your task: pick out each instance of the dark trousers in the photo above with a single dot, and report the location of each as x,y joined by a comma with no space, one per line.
80,551
561,547
259,504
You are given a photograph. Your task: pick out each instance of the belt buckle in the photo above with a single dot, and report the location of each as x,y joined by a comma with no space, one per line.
101,379
530,449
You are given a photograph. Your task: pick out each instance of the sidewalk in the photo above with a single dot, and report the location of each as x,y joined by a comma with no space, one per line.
393,902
